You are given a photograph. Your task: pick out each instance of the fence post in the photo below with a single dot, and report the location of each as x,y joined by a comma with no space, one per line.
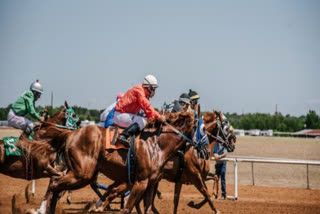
252,173
308,187
235,179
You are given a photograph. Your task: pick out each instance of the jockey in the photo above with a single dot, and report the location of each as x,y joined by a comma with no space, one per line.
133,100
24,105
194,97
183,104
104,115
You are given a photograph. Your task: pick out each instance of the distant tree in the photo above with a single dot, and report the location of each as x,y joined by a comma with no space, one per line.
312,120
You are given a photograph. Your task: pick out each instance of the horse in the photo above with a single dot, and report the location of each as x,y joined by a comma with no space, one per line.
85,155
38,157
186,167
194,170
37,154
218,136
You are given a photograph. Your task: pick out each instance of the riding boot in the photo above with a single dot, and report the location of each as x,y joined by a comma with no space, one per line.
125,136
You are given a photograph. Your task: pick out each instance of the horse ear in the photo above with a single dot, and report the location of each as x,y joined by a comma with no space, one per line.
66,104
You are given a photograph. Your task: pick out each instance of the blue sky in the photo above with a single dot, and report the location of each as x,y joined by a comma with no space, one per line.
240,56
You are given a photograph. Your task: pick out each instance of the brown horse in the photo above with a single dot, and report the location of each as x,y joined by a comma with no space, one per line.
215,135
39,155
188,168
86,154
195,171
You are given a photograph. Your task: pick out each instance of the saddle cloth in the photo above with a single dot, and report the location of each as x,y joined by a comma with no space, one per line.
10,146
112,134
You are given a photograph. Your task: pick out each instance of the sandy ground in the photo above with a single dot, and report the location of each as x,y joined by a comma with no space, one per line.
279,188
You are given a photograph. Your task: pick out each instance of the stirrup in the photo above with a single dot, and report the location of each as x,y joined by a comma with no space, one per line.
124,141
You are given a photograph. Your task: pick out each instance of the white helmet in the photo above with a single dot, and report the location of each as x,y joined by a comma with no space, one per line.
150,80
36,86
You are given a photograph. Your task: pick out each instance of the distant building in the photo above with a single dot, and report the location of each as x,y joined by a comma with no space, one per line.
252,132
239,132
268,133
3,123
308,133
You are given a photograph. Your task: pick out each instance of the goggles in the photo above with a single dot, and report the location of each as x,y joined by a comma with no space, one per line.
194,102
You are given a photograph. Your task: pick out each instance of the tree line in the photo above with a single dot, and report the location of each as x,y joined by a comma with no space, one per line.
276,122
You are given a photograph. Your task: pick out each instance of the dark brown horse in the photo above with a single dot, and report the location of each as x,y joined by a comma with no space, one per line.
39,154
86,154
195,169
216,136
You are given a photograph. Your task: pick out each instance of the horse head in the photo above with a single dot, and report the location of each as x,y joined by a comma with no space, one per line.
66,117
215,130
167,134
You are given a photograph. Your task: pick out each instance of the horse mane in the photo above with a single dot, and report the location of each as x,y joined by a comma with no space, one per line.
210,121
52,141
209,117
183,121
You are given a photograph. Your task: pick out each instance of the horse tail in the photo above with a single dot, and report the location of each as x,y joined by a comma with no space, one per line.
2,152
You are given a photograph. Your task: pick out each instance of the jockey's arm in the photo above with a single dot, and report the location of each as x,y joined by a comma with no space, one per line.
30,107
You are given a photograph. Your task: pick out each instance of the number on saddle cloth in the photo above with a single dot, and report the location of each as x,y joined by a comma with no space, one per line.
10,146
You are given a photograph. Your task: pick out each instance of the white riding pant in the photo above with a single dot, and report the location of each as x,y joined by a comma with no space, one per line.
19,122
126,119
105,114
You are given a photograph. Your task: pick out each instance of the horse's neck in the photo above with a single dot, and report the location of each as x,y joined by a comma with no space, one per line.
210,146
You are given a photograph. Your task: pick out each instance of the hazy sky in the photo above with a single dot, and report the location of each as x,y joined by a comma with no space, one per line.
240,56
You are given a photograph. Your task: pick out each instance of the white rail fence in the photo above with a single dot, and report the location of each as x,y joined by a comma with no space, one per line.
236,159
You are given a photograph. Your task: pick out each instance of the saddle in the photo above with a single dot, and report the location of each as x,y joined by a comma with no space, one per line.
112,134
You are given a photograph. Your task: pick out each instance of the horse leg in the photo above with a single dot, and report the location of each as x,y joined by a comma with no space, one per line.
114,190
69,197
216,186
177,190
148,199
52,171
137,192
156,193
201,186
53,202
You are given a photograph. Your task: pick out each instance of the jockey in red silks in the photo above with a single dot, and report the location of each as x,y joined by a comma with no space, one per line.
131,103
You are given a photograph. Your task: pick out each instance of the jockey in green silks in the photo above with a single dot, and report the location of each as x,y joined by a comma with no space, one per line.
25,104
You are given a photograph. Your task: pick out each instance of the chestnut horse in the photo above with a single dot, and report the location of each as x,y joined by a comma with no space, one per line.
195,171
218,136
86,154
39,154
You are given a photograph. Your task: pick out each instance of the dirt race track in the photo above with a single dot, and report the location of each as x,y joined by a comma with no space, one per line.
278,188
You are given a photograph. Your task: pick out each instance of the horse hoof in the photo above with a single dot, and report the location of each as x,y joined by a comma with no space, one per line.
124,211
69,200
191,204
31,211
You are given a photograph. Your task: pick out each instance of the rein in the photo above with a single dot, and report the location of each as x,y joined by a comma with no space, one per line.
58,126
180,134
